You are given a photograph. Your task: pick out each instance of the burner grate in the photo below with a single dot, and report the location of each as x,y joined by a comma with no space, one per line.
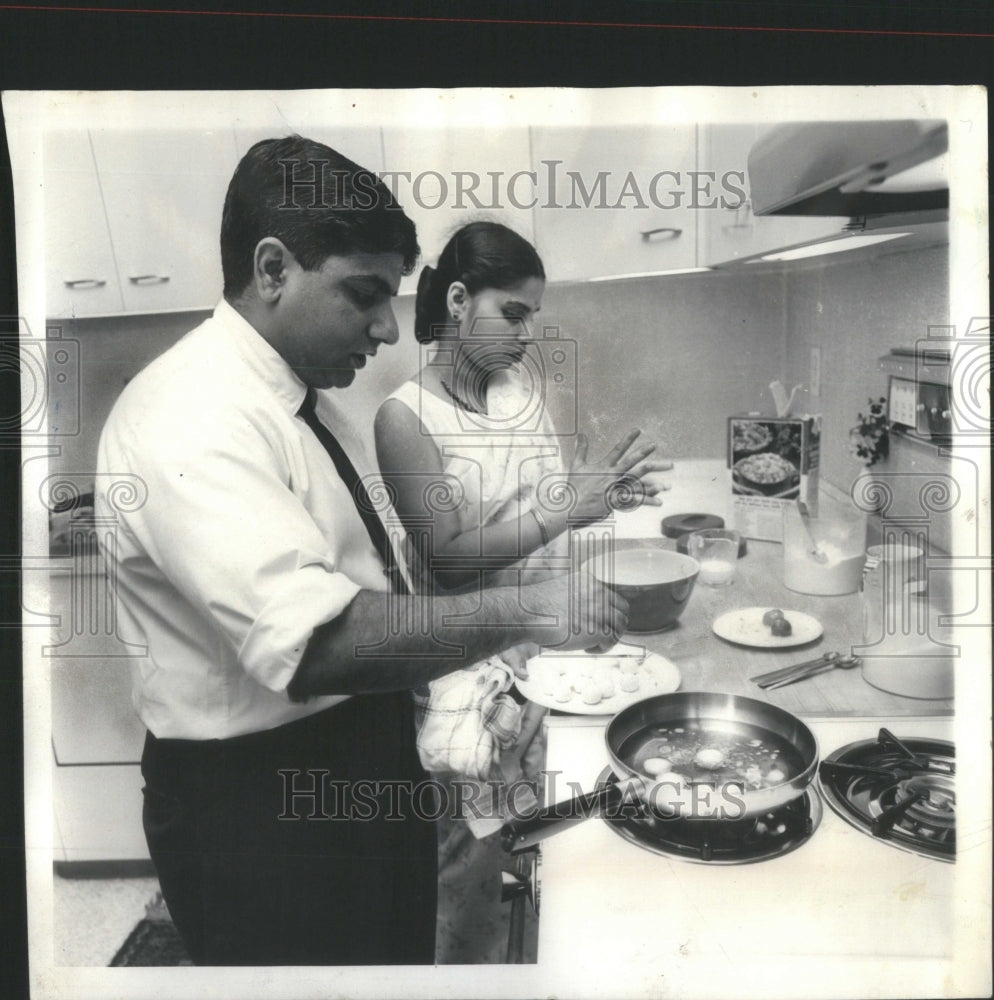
899,791
719,841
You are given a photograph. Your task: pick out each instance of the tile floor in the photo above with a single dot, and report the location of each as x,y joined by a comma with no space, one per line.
93,916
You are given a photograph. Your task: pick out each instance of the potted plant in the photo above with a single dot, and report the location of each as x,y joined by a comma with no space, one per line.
869,440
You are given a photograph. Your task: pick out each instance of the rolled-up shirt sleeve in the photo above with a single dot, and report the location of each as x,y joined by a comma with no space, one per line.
224,522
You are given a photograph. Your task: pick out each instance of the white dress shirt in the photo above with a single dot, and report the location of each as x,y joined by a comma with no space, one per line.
247,541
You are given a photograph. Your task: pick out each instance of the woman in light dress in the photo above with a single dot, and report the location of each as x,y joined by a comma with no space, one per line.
475,471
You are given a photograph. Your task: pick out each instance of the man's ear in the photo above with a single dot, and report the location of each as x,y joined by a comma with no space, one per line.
269,270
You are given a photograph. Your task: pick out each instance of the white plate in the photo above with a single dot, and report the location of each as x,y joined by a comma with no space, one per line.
745,626
655,675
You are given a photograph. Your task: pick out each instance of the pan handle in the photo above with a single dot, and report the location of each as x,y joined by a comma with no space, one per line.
522,834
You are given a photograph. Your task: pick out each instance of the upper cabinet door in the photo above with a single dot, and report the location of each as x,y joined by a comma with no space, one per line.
81,279
731,231
616,201
163,193
446,177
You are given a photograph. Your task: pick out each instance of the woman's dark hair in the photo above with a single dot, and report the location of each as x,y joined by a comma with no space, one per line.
480,255
316,201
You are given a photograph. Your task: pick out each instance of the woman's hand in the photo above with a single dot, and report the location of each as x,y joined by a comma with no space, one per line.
616,482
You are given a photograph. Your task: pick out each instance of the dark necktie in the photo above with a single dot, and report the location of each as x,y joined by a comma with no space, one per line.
347,473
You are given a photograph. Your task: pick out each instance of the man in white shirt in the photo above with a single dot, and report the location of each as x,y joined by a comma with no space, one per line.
282,803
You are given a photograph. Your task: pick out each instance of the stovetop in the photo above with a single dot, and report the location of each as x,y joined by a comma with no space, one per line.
841,897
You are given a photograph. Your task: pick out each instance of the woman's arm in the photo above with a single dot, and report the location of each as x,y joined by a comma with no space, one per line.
411,466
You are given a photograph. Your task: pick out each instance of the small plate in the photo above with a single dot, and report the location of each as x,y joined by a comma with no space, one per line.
550,669
745,626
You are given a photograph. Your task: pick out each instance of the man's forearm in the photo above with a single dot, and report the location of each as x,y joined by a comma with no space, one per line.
386,642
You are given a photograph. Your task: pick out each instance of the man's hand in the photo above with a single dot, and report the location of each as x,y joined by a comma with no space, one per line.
517,658
585,613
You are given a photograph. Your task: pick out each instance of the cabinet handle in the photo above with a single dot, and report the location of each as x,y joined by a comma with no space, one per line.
85,282
148,279
666,233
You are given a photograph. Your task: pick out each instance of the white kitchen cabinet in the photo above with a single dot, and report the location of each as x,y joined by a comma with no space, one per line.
446,177
81,278
730,231
617,201
163,193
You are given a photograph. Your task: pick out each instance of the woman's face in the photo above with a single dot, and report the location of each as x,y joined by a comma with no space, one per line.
495,323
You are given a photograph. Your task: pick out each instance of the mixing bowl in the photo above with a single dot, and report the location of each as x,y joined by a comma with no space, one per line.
657,584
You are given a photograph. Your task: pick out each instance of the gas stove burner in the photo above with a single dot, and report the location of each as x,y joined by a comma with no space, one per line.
900,791
719,841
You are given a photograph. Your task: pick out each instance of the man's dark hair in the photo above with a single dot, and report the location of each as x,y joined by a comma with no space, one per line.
317,202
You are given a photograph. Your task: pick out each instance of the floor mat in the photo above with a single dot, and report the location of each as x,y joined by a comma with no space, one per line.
154,941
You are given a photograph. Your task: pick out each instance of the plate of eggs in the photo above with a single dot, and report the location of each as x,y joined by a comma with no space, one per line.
597,683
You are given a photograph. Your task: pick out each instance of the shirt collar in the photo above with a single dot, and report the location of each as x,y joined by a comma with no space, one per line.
260,356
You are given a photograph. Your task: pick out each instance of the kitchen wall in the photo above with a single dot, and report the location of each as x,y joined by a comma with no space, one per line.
674,356
855,311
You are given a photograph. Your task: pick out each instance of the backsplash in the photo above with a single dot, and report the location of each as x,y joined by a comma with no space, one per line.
855,313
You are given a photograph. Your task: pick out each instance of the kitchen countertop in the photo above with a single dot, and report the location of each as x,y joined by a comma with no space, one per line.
708,663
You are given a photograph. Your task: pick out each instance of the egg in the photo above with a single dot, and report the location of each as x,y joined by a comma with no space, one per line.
709,757
562,692
656,766
628,682
591,696
549,678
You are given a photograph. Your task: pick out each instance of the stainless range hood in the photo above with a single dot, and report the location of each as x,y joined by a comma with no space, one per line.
862,169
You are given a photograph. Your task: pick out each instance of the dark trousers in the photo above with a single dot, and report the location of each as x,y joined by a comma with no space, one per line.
255,875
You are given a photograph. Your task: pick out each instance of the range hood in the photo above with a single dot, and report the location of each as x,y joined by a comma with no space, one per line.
862,169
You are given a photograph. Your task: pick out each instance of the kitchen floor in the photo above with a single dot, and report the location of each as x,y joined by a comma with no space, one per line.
93,916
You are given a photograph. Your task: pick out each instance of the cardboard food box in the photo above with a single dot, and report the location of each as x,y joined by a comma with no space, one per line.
772,461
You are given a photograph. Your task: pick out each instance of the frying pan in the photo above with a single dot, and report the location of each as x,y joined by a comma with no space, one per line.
722,713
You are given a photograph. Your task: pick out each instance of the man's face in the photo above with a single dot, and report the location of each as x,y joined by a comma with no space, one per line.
334,318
